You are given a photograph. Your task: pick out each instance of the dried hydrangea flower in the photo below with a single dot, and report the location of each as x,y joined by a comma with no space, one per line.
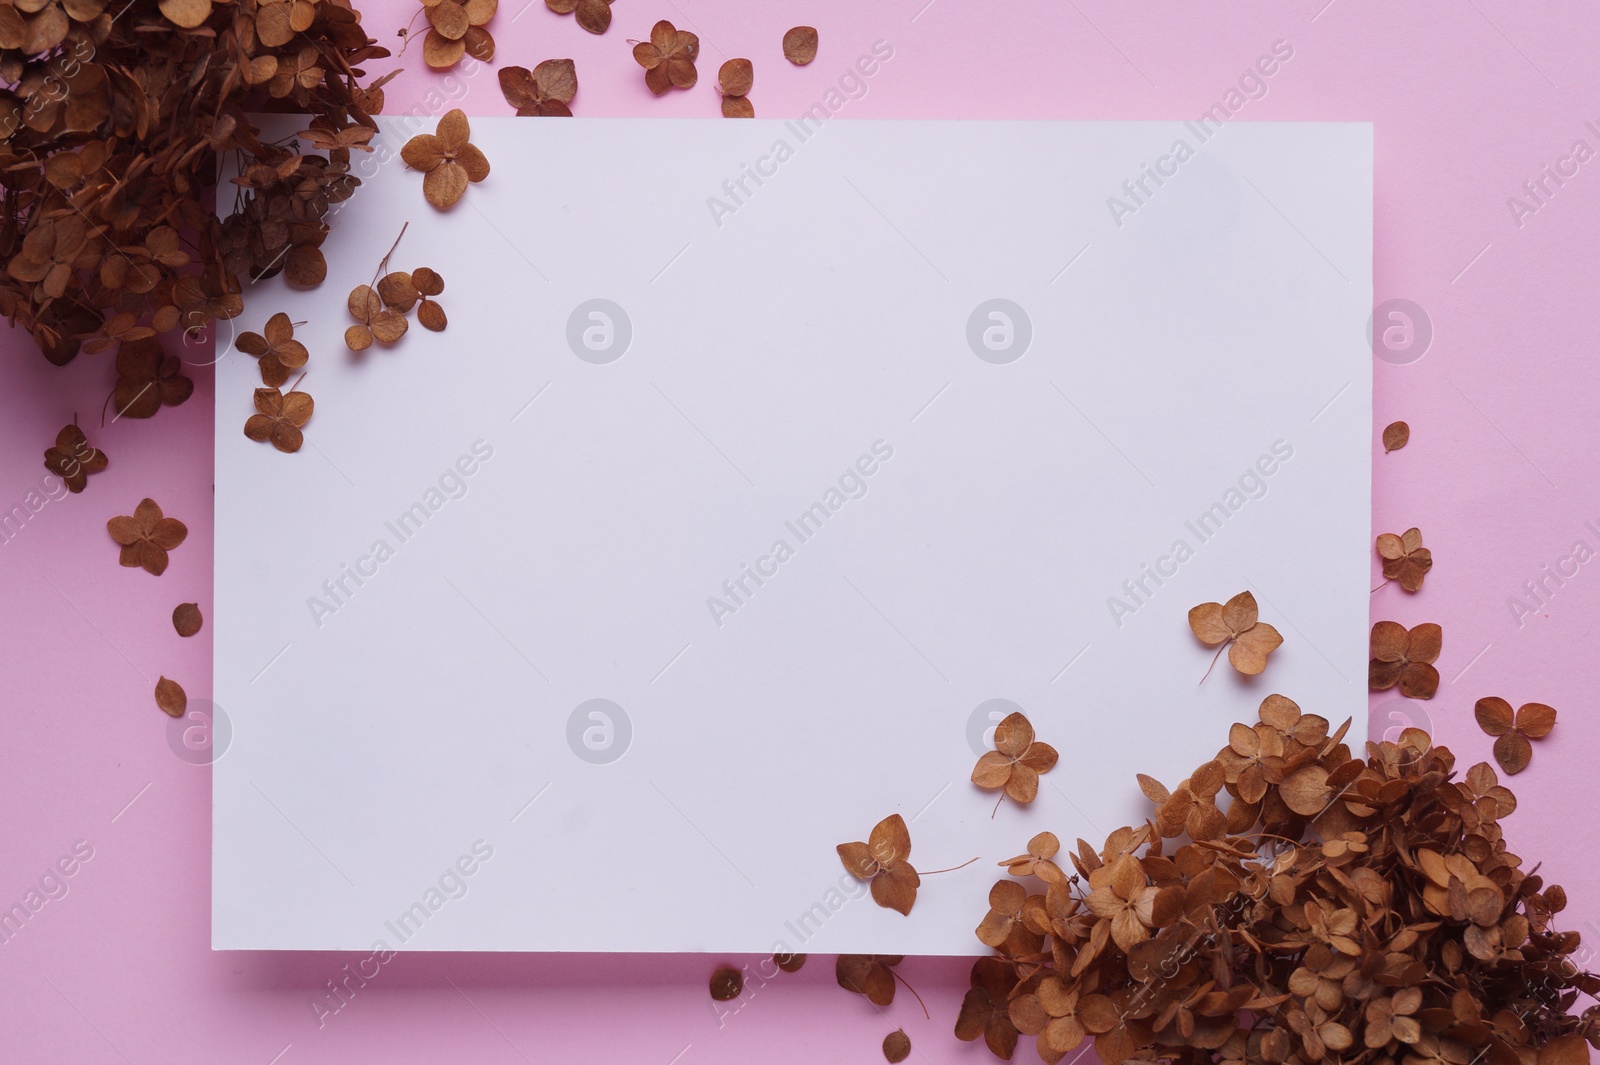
592,15
146,537
147,379
1016,762
279,418
72,458
545,91
1237,627
668,58
1404,558
448,158
277,352
1532,721
1405,657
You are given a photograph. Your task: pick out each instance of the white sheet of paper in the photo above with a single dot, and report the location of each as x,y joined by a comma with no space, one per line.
800,505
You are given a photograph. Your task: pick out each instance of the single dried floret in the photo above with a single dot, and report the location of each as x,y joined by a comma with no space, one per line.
147,536
448,158
883,862
1532,721
592,15
985,1010
1405,657
1236,625
277,352
147,379
668,58
1404,558
1016,762
375,321
545,91
72,458
279,418
428,284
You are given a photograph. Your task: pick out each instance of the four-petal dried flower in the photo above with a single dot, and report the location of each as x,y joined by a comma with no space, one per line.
277,352
1405,657
279,418
72,458
668,58
448,158
1404,558
545,91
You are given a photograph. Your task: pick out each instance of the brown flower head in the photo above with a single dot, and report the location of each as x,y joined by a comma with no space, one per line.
543,92
1016,761
448,158
668,58
1236,626
279,418
277,352
1532,721
592,15
1405,657
1121,894
147,379
147,536
882,861
72,459
1404,558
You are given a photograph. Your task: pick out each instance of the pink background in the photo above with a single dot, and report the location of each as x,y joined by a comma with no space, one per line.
1470,100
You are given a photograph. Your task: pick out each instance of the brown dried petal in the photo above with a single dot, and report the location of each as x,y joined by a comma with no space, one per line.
896,1046
1395,436
800,45
735,77
727,983
186,619
170,697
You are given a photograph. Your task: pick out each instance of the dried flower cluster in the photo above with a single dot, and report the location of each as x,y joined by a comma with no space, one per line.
114,119
1292,904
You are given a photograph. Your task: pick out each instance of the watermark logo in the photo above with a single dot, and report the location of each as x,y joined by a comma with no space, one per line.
984,717
599,331
1399,331
1396,715
202,734
999,331
599,731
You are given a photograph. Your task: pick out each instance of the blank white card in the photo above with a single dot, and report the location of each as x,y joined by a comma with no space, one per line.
763,466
